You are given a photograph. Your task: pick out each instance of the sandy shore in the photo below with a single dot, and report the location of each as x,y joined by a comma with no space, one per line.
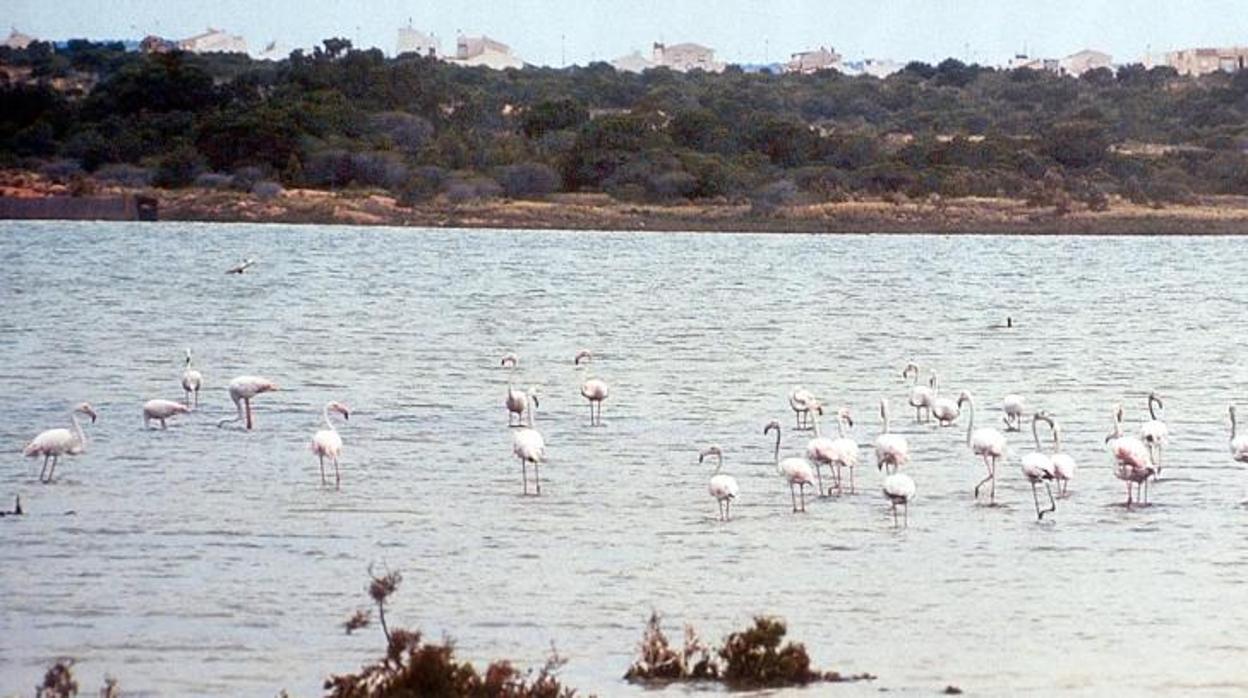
1209,216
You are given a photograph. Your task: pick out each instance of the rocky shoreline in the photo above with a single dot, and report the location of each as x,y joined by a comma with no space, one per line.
1223,215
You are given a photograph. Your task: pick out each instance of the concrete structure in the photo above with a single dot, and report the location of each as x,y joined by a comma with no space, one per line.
1203,61
18,40
875,67
214,41
632,63
686,57
412,40
807,62
1022,60
484,51
127,207
1077,64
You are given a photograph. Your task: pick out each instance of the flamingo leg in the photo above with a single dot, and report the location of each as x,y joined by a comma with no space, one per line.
905,514
793,496
44,469
163,426
819,474
801,489
1036,499
591,413
337,475
55,460
986,479
851,481
247,403
727,510
1128,503
1052,503
197,398
992,493
321,457
537,477
524,473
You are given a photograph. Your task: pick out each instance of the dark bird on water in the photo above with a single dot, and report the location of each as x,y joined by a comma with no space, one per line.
240,268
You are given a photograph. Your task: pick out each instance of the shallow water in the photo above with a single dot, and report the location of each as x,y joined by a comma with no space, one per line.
211,562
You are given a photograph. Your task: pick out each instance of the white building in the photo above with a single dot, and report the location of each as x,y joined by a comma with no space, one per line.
18,40
412,40
1203,61
632,63
1022,60
875,67
484,51
1077,64
214,41
807,62
686,57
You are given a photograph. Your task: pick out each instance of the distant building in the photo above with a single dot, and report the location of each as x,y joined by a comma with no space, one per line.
1077,64
807,62
1022,60
686,57
273,51
18,40
1203,61
875,67
412,40
484,51
214,41
632,63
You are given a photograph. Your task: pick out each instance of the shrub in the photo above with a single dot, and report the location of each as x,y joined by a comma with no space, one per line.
213,180
462,190
408,133
422,185
124,175
178,168
60,171
246,177
772,196
267,190
528,180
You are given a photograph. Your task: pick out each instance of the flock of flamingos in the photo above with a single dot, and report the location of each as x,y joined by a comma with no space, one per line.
1136,459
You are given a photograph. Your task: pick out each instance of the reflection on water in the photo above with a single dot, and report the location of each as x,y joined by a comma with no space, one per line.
209,561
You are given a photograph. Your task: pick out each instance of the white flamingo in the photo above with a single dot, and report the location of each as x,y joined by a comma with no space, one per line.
160,410
1063,465
192,380
55,443
819,450
1239,444
899,488
1038,468
327,443
921,396
844,449
528,445
242,390
890,449
722,487
987,443
802,401
593,389
1013,405
796,471
516,398
944,409
1132,460
1154,432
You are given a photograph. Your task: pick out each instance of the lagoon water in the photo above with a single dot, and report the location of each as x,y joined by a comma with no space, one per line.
207,561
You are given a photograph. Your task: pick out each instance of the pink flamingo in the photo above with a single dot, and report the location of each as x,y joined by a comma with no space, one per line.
326,443
192,380
55,443
593,389
160,410
1133,462
242,390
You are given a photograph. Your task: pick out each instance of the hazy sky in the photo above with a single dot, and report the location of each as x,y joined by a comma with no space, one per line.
743,31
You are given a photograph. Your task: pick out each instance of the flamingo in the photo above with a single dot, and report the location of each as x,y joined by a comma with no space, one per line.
946,410
899,488
722,487
802,401
796,471
242,390
1038,468
819,449
1014,406
921,396
326,443
516,398
192,380
1063,465
890,449
528,445
1239,444
593,389
160,410
844,450
55,443
1132,460
987,443
1154,432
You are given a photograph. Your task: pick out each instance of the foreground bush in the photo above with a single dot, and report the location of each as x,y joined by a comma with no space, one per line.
749,659
415,668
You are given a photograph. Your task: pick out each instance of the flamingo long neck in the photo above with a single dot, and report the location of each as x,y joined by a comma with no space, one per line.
78,432
816,420
777,448
970,422
1153,399
530,408
1035,434
1232,425
719,463
1057,439
840,426
884,415
325,415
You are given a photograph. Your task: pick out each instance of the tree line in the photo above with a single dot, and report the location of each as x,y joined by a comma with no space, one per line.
337,117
